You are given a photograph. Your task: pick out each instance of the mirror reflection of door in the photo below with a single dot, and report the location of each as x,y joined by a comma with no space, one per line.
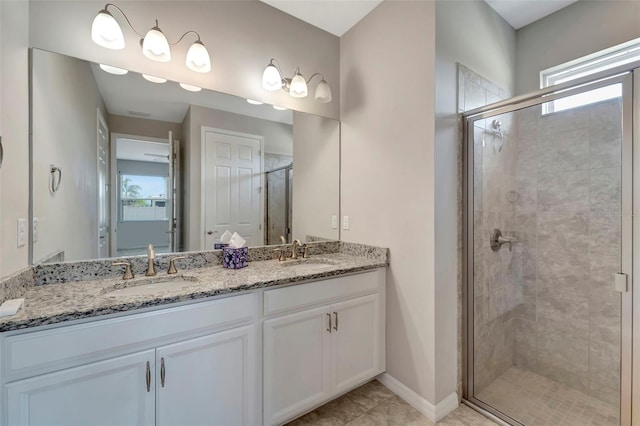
143,198
232,199
103,185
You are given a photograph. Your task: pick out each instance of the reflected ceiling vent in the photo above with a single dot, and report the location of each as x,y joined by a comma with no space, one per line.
139,114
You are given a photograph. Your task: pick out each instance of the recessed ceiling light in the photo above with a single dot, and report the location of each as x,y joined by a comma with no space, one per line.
113,70
279,108
190,87
254,102
154,79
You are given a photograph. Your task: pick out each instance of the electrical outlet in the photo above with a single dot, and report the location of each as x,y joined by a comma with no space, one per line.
35,229
345,223
334,222
22,231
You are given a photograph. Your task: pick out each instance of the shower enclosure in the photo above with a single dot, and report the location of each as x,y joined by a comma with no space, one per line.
549,230
278,196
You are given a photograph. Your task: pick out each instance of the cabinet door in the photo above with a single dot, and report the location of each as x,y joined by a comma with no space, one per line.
209,380
296,364
111,392
356,341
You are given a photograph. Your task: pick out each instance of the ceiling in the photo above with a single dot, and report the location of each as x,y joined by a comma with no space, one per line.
131,95
338,16
520,13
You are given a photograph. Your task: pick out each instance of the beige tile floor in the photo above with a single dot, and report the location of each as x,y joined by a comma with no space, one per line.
537,401
373,404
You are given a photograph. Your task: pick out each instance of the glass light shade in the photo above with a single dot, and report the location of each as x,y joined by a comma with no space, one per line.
106,32
190,88
323,92
254,102
113,70
198,58
154,79
271,78
279,108
155,46
298,87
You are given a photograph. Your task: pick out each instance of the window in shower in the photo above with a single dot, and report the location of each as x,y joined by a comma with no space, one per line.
621,54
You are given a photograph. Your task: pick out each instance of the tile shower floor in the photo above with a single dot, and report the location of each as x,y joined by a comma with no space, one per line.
537,401
374,404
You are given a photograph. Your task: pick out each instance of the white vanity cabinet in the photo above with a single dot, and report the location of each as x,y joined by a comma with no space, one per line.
317,352
206,373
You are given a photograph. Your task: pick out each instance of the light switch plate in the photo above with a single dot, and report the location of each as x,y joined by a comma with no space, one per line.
22,231
345,222
334,222
35,229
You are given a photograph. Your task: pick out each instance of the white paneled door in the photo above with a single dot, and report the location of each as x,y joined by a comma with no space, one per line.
232,199
103,187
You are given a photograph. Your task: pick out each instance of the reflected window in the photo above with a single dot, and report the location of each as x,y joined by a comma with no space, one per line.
143,198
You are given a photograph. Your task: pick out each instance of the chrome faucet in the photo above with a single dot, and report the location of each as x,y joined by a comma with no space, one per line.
151,267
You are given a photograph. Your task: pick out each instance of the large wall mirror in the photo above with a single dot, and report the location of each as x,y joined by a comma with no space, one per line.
121,160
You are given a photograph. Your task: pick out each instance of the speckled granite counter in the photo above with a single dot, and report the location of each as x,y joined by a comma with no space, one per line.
57,303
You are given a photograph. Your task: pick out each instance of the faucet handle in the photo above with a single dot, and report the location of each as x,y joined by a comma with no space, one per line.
128,274
172,264
281,253
305,253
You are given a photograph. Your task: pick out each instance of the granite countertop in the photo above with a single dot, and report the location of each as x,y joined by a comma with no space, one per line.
57,303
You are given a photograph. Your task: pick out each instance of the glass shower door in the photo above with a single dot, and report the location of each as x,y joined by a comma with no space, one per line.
548,186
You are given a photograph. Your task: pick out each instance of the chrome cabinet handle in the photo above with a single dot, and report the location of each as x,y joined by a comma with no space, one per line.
162,372
336,326
329,329
148,377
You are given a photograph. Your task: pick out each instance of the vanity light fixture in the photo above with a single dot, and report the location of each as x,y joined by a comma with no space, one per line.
113,70
154,79
190,88
106,32
254,102
296,86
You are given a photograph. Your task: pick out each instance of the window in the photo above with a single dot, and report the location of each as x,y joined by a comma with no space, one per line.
606,59
143,198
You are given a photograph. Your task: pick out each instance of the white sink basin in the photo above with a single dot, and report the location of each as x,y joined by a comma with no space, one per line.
307,266
151,286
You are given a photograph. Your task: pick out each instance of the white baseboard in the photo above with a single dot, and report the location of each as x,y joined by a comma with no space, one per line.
434,413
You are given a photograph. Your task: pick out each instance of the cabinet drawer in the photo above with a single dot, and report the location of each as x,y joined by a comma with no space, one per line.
322,292
47,350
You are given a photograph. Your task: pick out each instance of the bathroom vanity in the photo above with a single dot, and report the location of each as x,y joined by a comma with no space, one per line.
261,345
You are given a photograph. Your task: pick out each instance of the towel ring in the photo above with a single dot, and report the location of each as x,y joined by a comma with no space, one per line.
55,171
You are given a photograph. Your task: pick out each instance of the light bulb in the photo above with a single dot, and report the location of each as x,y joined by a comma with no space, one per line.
271,78
198,58
106,32
323,92
254,102
298,88
190,88
155,46
154,79
113,70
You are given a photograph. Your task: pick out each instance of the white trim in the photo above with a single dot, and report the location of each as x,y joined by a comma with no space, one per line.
203,165
435,413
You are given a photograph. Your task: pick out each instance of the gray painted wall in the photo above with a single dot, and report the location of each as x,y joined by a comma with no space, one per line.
65,102
580,29
472,33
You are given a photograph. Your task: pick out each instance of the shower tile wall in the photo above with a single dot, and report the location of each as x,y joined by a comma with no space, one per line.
494,176
567,216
